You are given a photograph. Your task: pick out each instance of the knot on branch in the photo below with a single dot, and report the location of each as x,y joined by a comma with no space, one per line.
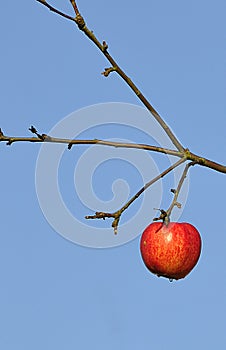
70,145
80,21
105,46
9,142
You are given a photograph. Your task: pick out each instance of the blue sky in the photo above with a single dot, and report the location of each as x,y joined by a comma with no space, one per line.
55,294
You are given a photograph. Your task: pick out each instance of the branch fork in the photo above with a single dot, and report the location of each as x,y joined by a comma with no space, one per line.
184,155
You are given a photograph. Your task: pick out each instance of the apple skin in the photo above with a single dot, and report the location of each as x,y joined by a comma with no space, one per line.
170,250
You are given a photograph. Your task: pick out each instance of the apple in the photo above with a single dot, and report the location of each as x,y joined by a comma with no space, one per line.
170,250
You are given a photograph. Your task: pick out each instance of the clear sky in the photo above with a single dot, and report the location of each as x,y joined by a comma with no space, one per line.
55,294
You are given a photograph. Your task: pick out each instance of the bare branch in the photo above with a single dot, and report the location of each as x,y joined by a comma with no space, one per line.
117,215
53,9
181,152
75,7
46,138
79,20
103,48
177,190
151,182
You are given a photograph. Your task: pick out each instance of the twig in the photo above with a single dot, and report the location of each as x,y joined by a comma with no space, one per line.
79,20
53,9
75,7
49,139
177,190
117,215
181,152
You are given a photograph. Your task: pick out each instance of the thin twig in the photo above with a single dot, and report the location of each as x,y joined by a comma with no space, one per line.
151,182
49,139
103,48
115,67
117,215
75,7
53,9
177,190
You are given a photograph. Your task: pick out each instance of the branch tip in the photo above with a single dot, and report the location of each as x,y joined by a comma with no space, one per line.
115,224
33,130
178,205
107,71
9,143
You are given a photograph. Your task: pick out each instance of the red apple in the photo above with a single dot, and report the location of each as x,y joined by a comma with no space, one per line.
170,250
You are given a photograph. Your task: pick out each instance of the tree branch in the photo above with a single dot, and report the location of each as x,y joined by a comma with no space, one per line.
53,9
49,139
79,20
180,152
117,215
177,190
